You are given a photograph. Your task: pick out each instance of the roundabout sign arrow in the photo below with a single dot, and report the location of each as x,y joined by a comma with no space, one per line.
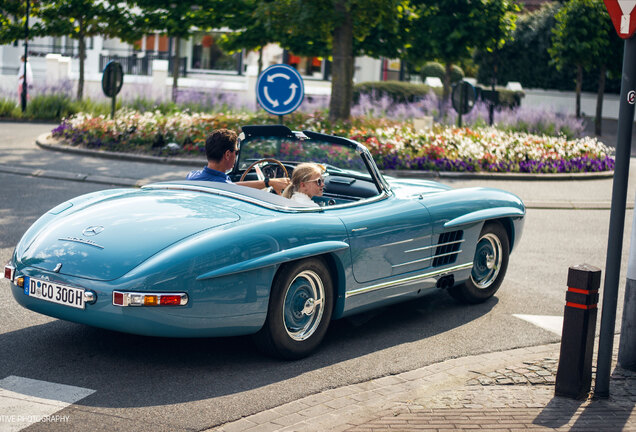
280,89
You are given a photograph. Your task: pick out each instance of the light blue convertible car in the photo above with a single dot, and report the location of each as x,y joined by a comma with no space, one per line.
204,259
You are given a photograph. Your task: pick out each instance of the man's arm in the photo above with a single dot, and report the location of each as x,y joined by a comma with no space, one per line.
279,184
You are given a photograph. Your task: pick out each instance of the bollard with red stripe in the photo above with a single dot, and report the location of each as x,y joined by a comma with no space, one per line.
574,375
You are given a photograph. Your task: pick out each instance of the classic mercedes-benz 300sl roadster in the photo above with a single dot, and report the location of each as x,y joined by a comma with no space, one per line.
206,259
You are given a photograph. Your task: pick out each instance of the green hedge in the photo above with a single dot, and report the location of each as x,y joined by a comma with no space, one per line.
507,98
405,92
398,91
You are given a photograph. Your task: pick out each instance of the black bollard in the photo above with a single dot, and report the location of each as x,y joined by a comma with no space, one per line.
574,375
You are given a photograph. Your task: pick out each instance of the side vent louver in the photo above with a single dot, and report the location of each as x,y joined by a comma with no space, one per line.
448,247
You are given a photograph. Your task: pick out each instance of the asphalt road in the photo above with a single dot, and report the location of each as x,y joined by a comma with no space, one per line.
156,384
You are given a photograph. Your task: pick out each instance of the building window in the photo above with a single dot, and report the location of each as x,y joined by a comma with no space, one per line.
208,55
307,66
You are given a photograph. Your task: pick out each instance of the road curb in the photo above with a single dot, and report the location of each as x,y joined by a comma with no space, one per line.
46,142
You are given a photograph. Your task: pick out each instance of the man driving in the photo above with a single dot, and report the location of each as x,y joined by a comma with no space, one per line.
220,150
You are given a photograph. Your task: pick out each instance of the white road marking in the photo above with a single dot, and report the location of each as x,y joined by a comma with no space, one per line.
546,322
24,401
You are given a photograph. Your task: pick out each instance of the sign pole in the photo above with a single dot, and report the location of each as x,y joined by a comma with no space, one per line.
462,104
113,103
617,220
23,96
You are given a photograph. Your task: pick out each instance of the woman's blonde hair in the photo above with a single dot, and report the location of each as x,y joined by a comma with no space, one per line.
302,173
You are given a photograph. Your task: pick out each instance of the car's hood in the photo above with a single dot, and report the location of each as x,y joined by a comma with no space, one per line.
108,237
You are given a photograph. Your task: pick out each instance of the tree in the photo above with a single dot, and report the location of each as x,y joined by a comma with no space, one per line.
81,19
449,30
500,16
12,17
179,20
580,38
250,34
339,29
610,63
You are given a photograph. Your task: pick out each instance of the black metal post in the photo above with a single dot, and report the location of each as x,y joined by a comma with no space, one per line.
280,119
574,375
113,85
462,103
617,220
23,96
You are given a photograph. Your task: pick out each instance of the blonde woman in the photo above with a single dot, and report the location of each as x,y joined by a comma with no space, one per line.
306,182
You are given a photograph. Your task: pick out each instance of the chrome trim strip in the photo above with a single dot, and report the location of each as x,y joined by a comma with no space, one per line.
404,281
426,259
398,242
82,241
359,229
434,246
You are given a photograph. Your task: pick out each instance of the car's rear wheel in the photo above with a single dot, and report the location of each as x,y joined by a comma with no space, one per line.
489,266
300,307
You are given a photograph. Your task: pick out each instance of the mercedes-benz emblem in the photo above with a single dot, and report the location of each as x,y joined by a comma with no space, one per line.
93,230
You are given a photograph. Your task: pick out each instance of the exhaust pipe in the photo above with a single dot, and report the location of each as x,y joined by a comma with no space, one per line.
446,282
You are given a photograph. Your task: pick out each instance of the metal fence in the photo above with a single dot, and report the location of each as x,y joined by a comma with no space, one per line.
136,65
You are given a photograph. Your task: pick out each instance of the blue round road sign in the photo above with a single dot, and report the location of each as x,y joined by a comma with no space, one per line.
280,89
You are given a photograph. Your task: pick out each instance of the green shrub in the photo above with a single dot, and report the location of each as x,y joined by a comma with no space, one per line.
146,105
435,69
432,69
398,91
457,74
7,106
93,107
50,107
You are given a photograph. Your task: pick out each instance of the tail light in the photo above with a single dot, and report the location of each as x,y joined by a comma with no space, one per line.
9,272
121,298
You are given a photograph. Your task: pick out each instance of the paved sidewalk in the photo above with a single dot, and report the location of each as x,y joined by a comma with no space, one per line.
503,391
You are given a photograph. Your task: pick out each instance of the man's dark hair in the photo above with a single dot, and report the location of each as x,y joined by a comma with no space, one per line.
218,142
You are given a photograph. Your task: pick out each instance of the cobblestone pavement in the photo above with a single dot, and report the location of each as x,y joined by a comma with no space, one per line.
502,391
511,399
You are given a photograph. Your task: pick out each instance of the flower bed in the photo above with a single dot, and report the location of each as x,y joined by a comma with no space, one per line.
394,145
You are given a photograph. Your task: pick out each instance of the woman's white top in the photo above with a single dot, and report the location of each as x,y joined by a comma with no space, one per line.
304,199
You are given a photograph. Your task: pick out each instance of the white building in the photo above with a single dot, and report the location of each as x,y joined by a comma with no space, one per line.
204,66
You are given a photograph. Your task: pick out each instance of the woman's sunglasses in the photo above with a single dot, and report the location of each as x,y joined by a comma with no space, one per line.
319,181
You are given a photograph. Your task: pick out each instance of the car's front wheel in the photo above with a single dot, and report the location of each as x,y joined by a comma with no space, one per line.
489,266
300,307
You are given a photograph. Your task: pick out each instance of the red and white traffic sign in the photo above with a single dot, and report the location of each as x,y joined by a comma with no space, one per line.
623,14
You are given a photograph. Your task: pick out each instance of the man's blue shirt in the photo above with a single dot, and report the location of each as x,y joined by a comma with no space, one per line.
209,174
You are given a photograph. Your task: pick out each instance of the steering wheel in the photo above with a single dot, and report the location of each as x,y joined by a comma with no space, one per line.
259,173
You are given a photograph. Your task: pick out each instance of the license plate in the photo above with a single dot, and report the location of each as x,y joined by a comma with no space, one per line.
54,292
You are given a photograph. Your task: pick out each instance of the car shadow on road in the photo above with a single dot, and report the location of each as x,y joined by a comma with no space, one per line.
140,371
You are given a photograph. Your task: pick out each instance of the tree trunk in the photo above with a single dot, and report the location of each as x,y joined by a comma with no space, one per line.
82,58
175,67
342,68
579,84
447,89
598,118
260,61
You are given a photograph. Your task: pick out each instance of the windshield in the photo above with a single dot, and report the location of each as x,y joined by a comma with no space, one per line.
334,156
